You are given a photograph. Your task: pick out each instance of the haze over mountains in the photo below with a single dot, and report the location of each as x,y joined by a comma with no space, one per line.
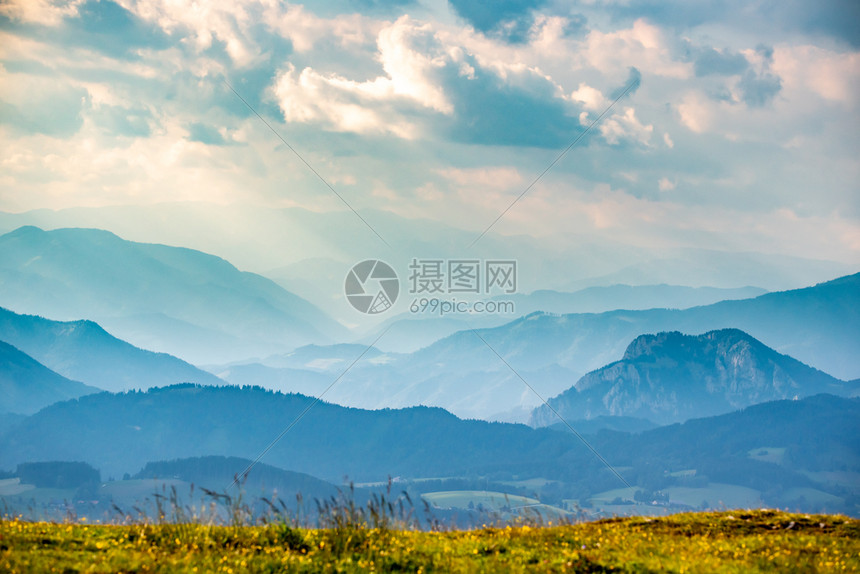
26,386
309,253
168,299
820,326
415,331
201,305
614,374
83,351
633,297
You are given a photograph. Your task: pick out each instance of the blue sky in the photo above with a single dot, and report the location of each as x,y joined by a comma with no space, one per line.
741,132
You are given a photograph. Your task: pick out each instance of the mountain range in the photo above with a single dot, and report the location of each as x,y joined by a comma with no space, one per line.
599,299
672,377
169,299
27,385
676,387
818,325
806,443
179,298
329,442
461,373
309,253
466,372
416,330
83,351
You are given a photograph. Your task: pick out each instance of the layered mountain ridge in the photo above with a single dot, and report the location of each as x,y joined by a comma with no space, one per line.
27,385
671,377
171,299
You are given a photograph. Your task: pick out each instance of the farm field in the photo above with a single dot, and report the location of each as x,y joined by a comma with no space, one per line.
731,541
720,495
497,504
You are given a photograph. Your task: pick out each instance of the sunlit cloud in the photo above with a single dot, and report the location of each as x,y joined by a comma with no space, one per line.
443,112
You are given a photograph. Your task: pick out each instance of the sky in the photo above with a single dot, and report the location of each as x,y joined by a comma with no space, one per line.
738,130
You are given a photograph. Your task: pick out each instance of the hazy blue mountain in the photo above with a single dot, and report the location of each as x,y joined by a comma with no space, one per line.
260,239
26,385
83,351
671,377
551,352
389,380
119,433
818,325
631,297
417,331
171,299
410,332
708,267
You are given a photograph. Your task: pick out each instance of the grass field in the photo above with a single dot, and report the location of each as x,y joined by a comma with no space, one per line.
736,541
768,454
502,506
488,499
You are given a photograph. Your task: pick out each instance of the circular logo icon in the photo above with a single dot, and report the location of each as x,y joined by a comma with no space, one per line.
371,286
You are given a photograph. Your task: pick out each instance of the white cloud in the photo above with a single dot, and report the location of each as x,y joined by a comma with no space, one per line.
45,12
366,75
409,70
643,46
626,126
305,29
591,98
225,20
371,106
338,103
830,75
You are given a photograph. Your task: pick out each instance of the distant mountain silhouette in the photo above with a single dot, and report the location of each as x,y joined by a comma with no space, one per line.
818,325
396,381
27,385
83,351
671,377
600,299
119,433
309,252
417,331
170,299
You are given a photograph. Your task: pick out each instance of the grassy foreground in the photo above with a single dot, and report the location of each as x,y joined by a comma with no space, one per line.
735,541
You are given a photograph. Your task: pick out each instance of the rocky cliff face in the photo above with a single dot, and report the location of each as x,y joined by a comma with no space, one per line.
672,377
